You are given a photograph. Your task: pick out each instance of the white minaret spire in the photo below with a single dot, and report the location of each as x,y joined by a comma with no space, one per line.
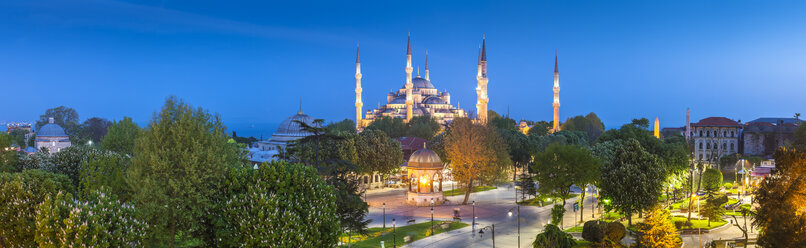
409,85
358,102
426,66
481,78
556,103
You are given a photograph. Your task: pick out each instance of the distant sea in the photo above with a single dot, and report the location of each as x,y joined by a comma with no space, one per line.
252,129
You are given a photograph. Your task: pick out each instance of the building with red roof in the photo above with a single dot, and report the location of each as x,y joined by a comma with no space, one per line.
715,137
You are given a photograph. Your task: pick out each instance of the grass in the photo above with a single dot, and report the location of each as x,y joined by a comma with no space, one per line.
536,201
461,191
698,223
582,243
574,229
415,231
611,216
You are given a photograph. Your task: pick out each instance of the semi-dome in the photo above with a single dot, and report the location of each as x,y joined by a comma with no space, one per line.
51,130
425,158
290,126
434,100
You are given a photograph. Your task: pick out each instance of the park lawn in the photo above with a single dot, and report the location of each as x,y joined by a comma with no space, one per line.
536,201
461,191
611,216
577,229
581,243
732,201
415,231
699,223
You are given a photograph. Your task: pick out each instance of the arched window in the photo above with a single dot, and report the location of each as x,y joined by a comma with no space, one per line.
724,133
708,146
731,134
731,146
700,133
724,146
700,156
700,145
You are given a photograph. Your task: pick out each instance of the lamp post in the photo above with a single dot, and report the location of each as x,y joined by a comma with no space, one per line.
384,215
699,234
492,229
394,236
474,216
432,220
509,213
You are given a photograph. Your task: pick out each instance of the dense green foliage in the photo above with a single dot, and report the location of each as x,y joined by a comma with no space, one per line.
121,135
9,159
589,124
101,220
614,232
593,231
393,127
279,204
633,180
104,170
561,166
342,127
422,127
557,213
712,180
377,152
21,194
178,169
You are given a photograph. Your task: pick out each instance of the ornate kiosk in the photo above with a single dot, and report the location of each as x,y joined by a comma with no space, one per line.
425,178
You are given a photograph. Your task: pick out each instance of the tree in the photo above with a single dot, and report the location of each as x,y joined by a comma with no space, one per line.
345,126
393,127
422,127
65,117
279,204
377,152
18,137
540,128
658,231
121,136
561,166
614,232
9,159
540,143
95,129
21,194
104,171
633,180
780,199
712,180
593,231
519,149
99,221
476,153
178,169
553,237
589,124
557,213
714,207
68,161
502,122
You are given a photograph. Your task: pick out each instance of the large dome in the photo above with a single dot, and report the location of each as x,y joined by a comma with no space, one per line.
425,158
51,130
419,82
290,126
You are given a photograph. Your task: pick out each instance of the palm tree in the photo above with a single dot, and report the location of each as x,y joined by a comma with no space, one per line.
797,118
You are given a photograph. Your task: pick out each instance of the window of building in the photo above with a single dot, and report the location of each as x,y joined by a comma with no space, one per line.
700,133
700,145
708,146
724,133
731,146
700,156
725,146
731,134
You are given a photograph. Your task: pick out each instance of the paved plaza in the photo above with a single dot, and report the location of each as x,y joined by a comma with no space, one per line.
492,207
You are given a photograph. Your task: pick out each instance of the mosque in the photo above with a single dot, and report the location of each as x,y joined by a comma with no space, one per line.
419,97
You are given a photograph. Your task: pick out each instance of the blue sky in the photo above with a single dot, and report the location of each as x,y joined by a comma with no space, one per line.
252,61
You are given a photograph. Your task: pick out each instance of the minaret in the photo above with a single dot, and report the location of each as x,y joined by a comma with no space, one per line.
556,103
426,66
358,102
657,128
409,85
481,78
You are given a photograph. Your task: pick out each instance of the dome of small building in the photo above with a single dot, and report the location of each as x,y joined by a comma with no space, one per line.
290,127
424,158
51,130
398,100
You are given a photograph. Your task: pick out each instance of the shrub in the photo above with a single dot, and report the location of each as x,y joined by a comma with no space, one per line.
592,231
711,180
553,237
615,231
557,213
728,185
20,195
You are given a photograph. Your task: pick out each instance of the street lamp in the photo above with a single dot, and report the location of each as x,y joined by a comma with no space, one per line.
699,232
492,229
432,220
384,215
394,236
474,215
518,207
